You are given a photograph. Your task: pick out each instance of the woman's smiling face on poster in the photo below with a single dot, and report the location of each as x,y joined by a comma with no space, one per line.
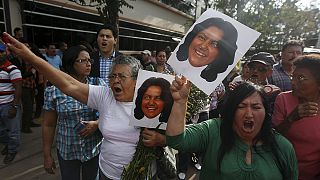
152,104
204,47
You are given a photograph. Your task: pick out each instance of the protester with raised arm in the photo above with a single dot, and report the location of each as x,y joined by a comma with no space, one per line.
241,145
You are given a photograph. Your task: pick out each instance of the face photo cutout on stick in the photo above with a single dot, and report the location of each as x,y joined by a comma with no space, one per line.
153,100
211,48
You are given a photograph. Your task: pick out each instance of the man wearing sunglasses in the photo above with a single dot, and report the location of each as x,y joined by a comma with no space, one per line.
260,69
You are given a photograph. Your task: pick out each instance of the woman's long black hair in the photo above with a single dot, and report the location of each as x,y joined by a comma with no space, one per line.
227,47
266,134
165,96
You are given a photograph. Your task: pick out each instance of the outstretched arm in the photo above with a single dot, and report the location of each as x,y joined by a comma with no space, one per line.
180,90
63,81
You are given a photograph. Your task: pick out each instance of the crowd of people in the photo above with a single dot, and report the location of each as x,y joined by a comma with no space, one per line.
262,124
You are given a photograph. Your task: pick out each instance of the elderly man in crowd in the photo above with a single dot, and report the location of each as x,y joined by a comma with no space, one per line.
284,69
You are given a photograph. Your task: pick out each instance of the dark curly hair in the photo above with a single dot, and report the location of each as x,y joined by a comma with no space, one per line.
266,134
165,96
310,62
227,47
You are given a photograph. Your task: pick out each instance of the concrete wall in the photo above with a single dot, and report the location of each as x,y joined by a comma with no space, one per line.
149,12
15,15
154,13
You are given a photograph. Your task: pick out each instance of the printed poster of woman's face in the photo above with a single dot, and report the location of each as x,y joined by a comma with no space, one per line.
152,100
211,48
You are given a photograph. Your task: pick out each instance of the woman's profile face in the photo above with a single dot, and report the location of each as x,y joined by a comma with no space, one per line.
204,47
82,64
152,104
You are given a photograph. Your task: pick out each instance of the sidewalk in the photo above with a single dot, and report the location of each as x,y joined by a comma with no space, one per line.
28,164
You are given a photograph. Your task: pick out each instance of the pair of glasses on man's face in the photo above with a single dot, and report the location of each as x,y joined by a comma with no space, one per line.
119,76
298,78
85,61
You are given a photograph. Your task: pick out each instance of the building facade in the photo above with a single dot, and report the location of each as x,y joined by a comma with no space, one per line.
149,25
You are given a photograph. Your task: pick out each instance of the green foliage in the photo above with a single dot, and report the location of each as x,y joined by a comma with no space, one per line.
108,9
276,20
139,167
197,100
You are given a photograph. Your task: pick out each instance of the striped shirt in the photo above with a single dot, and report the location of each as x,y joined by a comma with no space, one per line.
8,75
70,112
105,67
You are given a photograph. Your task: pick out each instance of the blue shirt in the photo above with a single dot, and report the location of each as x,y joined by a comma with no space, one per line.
55,61
70,144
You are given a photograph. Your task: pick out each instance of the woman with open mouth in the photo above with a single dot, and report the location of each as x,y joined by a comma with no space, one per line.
239,145
119,139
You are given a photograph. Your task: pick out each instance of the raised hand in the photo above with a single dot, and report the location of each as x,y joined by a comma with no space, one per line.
19,49
180,89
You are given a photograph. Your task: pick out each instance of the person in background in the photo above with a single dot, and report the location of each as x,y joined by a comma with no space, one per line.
28,89
40,84
17,33
106,40
296,115
239,145
52,57
10,106
215,104
62,47
168,52
260,68
244,74
146,62
77,136
283,70
162,66
153,57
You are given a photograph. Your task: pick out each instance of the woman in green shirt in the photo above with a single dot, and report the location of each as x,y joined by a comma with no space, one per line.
241,145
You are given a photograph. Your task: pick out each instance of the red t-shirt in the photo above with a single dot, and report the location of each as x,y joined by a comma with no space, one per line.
304,134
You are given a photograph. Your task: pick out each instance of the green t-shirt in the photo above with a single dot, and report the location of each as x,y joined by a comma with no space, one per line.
205,137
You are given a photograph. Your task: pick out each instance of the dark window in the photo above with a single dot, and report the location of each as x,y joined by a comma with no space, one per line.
45,23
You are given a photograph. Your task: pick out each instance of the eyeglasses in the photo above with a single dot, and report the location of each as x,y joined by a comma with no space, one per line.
298,78
120,76
260,69
84,61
